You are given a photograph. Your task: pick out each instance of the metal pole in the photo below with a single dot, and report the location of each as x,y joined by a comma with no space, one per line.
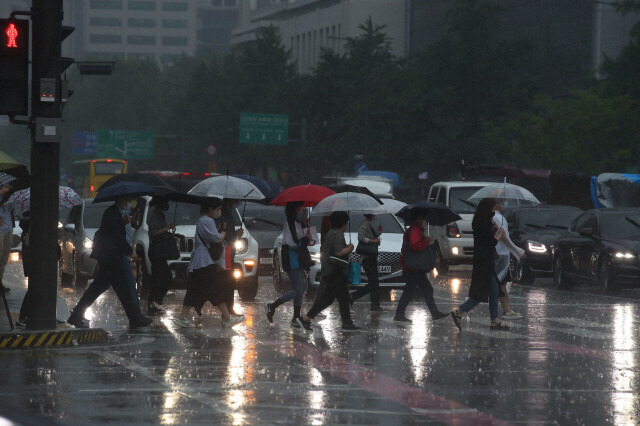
45,167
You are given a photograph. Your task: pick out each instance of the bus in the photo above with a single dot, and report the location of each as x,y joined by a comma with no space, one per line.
89,175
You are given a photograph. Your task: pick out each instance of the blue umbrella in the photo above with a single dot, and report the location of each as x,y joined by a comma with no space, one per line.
438,214
111,193
268,189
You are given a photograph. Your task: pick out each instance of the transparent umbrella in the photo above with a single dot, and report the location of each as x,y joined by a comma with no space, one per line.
516,195
351,202
224,186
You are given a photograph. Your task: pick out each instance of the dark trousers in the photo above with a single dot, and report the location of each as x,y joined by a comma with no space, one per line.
118,275
331,288
370,265
161,280
416,279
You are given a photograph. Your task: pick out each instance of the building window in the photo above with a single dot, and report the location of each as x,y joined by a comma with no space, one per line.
174,41
174,23
140,22
141,5
175,6
142,56
106,4
216,3
105,22
105,38
140,39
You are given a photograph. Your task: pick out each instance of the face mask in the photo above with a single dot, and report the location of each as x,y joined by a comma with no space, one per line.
217,213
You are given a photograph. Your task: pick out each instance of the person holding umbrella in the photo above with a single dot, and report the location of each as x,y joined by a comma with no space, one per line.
416,262
368,242
112,251
6,225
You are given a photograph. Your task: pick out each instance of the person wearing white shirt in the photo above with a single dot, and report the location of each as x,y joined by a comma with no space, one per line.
505,248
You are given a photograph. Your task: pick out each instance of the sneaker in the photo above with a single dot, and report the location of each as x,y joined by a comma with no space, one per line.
350,327
155,309
21,323
295,323
140,322
377,309
233,320
401,319
439,316
183,323
269,311
305,324
78,322
511,315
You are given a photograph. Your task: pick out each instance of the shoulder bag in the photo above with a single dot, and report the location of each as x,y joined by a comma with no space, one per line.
215,250
418,260
368,249
164,248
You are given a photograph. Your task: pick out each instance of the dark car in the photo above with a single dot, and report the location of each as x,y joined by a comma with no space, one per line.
535,230
601,247
265,223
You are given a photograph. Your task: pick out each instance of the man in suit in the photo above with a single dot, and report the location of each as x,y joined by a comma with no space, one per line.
112,251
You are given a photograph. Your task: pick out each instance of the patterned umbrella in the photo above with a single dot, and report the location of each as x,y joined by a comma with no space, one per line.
21,200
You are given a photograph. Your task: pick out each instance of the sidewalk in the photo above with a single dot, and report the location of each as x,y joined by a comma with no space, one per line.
63,335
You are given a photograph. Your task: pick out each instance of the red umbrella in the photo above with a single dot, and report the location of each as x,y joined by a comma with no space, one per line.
309,194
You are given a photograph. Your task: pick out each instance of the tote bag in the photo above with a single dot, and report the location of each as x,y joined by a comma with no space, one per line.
355,273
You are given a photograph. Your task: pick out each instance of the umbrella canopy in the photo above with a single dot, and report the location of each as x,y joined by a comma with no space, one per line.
513,193
352,202
6,179
111,193
268,189
309,195
21,200
392,206
160,184
438,214
225,186
356,188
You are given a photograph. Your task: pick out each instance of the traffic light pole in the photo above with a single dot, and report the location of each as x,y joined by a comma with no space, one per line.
46,16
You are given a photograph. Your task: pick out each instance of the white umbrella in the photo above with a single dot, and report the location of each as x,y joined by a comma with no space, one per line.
224,186
392,206
352,202
506,191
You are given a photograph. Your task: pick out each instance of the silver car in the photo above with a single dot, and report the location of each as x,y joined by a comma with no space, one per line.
76,243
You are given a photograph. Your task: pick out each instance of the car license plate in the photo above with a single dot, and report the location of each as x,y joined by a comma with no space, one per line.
386,269
266,261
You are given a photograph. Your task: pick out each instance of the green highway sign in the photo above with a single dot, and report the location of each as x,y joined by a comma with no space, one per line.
124,144
264,129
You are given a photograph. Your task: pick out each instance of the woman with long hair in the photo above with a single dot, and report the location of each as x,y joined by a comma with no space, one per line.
484,282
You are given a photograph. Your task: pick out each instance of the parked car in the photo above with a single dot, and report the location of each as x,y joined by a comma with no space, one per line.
265,222
453,243
602,247
186,216
389,270
535,230
76,266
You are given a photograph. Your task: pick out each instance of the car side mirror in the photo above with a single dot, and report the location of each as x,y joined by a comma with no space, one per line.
69,227
587,232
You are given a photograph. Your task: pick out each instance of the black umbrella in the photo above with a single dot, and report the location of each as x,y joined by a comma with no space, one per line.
112,192
148,178
355,188
438,214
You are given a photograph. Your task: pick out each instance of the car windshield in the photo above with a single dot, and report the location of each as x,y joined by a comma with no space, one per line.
389,223
264,218
93,215
624,225
544,218
458,199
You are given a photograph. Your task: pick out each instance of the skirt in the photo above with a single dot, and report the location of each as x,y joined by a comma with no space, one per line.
207,284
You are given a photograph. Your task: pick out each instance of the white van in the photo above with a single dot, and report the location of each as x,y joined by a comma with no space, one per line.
454,241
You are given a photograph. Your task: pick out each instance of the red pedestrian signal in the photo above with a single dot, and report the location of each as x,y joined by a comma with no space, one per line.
12,34
14,66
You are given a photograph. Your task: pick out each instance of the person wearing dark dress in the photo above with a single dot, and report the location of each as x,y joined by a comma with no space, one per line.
485,285
112,251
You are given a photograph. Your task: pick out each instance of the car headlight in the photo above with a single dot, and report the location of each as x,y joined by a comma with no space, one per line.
536,247
315,257
87,243
624,255
241,245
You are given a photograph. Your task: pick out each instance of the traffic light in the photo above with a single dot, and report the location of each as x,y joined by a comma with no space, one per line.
14,67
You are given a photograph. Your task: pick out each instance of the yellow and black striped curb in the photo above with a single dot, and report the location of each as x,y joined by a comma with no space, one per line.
52,339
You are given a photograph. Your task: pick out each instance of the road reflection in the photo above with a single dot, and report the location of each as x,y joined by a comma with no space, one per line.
624,400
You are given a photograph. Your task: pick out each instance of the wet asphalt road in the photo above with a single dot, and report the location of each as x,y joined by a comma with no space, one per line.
572,359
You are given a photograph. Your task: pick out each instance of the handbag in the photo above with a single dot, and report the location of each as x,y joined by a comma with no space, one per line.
165,248
355,271
215,249
418,260
368,249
